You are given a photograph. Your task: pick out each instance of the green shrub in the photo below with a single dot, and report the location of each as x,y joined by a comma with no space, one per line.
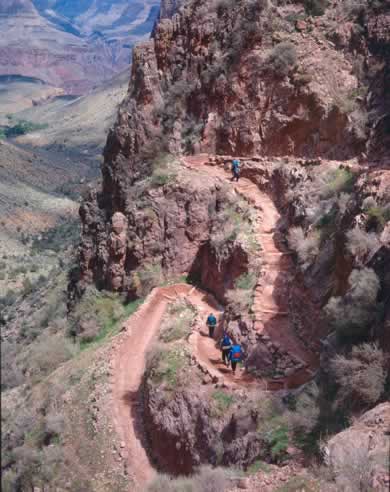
278,440
282,59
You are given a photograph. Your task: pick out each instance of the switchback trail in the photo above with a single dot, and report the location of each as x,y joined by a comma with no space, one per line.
271,318
270,305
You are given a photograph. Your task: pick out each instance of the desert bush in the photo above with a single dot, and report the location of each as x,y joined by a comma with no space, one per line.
282,59
316,7
361,376
362,244
306,247
352,314
45,356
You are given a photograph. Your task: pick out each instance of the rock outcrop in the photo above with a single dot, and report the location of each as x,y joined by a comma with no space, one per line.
359,456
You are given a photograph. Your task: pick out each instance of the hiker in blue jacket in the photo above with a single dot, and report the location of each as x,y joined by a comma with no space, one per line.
226,345
236,169
235,356
211,323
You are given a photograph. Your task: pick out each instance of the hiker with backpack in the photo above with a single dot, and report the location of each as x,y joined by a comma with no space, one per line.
235,356
226,345
235,169
211,323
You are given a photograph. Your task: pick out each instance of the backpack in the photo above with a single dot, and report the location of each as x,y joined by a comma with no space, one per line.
236,353
226,342
236,165
212,320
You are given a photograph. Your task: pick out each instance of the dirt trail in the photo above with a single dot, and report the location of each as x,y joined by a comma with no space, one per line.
271,311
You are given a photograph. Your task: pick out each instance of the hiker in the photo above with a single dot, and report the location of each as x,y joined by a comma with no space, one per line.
226,345
235,356
211,323
236,169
